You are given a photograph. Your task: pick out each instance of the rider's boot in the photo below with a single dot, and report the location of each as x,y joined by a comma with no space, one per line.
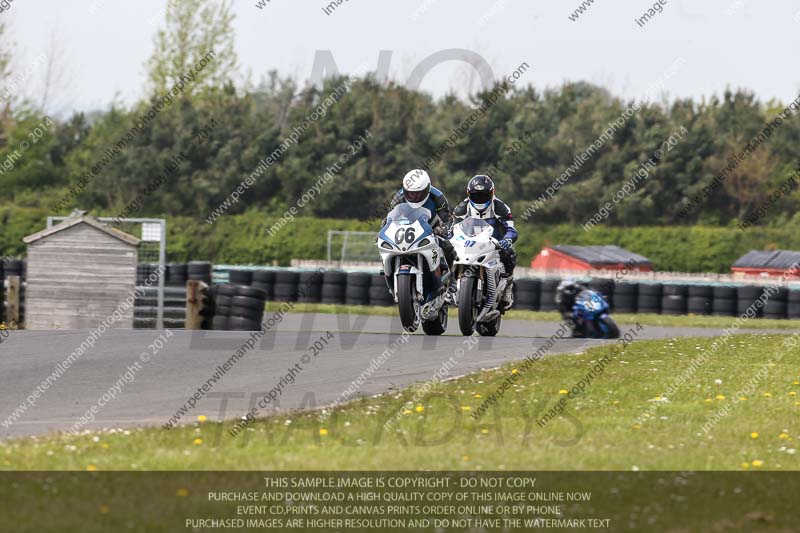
508,295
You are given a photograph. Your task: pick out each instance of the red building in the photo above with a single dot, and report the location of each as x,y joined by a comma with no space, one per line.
566,257
769,263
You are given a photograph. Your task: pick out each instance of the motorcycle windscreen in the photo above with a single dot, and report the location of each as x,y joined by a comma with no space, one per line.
472,227
407,214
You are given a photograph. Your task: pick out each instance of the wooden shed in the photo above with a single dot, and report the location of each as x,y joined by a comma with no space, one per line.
79,273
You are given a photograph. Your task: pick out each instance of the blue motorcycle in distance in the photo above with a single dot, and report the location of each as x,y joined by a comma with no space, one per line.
586,310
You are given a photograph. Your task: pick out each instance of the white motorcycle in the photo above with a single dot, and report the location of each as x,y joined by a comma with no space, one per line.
415,269
481,277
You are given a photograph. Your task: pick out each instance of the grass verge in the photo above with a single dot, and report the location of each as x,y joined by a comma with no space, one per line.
689,321
598,430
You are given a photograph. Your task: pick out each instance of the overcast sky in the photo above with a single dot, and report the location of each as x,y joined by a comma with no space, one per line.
725,43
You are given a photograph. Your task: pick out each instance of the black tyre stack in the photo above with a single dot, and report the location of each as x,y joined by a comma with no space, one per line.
674,299
199,271
793,304
777,306
238,308
649,298
177,275
240,277
745,298
547,300
209,306
379,292
357,290
13,267
334,287
285,286
265,280
626,297
724,300
527,294
700,299
309,287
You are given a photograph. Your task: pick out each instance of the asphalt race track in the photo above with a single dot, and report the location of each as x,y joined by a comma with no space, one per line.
188,359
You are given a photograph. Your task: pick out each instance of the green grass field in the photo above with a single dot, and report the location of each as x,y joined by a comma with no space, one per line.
689,321
598,431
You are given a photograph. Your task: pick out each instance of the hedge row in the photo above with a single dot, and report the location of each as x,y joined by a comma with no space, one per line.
242,239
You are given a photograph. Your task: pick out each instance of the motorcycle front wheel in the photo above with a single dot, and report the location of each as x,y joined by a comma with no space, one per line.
611,328
407,303
467,310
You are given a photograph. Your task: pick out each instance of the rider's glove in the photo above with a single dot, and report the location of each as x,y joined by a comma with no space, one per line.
440,231
506,244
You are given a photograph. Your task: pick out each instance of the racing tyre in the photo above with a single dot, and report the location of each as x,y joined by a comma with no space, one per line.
240,277
611,327
236,323
467,310
219,323
407,303
247,302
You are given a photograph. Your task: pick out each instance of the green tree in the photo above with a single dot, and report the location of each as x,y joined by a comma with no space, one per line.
192,29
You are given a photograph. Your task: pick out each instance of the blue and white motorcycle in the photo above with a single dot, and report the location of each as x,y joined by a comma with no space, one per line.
415,268
586,310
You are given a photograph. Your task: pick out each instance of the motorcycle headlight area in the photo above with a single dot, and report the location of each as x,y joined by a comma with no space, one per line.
424,242
386,246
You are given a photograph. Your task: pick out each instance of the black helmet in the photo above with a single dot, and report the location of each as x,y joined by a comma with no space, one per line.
480,191
567,290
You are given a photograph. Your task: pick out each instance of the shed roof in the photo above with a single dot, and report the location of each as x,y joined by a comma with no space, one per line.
778,259
83,219
603,255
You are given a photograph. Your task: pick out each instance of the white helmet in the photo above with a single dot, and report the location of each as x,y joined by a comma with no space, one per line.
416,187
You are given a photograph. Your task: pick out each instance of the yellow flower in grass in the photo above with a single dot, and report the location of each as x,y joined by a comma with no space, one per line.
720,396
484,431
795,382
465,457
708,400
793,393
182,492
91,468
419,408
563,391
477,396
767,395
104,509
757,462
201,418
754,435
745,465
784,436
797,403
636,426
515,371
466,408
323,431
407,411
742,398
198,441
